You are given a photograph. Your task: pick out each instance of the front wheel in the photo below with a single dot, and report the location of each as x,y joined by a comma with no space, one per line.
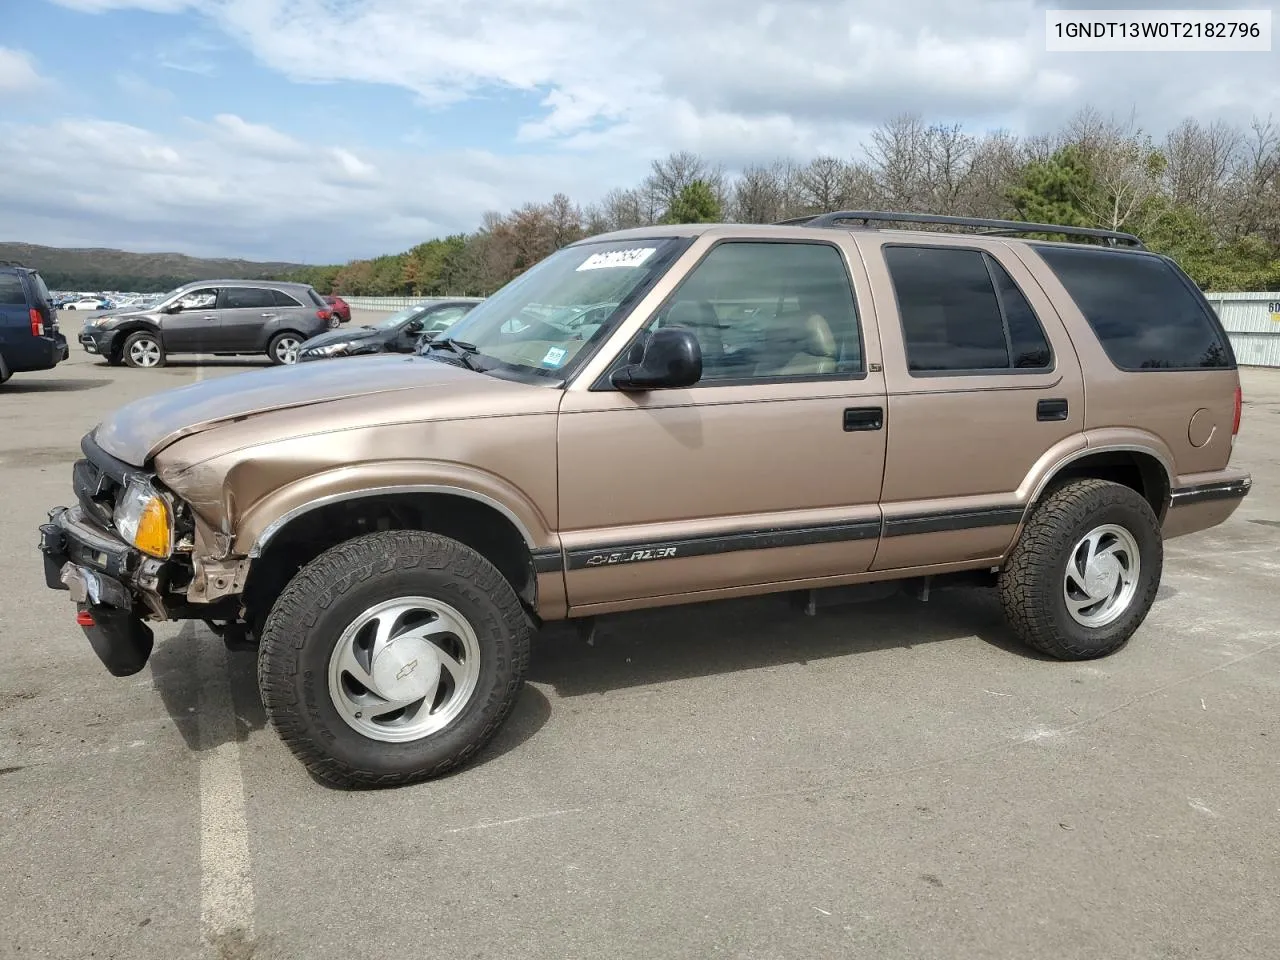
143,350
392,658
1082,577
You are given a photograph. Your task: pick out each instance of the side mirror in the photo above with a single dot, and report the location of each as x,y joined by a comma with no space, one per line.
413,327
172,308
672,358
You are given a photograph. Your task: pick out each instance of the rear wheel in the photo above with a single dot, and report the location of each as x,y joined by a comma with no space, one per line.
392,658
143,349
1085,572
283,348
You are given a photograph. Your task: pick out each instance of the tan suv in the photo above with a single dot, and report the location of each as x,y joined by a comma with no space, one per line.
660,416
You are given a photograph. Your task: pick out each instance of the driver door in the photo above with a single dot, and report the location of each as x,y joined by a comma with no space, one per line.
195,326
766,471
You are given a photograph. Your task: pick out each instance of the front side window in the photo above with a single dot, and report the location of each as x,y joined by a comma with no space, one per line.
767,311
547,320
962,312
205,299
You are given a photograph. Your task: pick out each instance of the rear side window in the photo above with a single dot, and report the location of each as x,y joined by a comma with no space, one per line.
962,312
42,292
318,300
1146,316
234,298
282,299
12,292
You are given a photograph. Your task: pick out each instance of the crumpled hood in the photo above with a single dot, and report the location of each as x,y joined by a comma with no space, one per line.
358,335
138,431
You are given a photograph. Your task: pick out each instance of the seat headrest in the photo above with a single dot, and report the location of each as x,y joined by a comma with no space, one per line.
691,313
819,341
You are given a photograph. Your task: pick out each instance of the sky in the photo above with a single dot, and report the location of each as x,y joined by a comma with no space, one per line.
318,131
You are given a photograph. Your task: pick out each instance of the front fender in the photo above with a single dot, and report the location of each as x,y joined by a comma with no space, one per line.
261,521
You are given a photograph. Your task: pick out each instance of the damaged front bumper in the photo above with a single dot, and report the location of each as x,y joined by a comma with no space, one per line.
101,572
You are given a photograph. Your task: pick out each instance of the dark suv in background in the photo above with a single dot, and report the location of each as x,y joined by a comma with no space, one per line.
221,317
29,335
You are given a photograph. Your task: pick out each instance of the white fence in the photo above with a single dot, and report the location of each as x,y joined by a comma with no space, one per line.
1252,321
385,303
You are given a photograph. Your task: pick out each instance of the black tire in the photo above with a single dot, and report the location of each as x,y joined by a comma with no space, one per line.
273,347
328,595
1031,585
142,337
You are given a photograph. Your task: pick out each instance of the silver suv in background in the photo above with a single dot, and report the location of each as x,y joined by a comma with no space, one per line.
222,317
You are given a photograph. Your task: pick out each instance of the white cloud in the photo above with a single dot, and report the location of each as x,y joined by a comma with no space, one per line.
256,139
18,72
93,182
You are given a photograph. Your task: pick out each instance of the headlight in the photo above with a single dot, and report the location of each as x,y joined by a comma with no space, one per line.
142,517
329,350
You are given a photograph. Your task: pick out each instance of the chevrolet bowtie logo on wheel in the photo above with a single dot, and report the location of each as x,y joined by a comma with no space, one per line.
407,669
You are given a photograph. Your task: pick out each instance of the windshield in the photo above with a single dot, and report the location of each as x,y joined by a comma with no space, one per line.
547,317
396,319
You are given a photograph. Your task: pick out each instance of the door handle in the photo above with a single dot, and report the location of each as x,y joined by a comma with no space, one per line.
209,317
1052,409
863,418
268,315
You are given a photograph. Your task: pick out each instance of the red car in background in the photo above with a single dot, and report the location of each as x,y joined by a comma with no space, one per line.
340,307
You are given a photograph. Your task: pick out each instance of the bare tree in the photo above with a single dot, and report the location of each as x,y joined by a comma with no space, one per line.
564,221
822,184
671,176
758,195
897,158
1254,185
1198,163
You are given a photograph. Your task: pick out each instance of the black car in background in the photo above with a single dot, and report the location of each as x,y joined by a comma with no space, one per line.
29,335
398,333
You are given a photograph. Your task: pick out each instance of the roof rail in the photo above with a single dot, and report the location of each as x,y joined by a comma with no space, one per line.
991,227
13,263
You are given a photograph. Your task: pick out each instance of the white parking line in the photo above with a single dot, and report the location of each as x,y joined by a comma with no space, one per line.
226,885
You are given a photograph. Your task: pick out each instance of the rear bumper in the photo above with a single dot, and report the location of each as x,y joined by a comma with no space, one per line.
1205,502
36,353
97,569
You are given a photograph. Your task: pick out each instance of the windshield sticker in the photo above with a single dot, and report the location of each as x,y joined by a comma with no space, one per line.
618,258
555,357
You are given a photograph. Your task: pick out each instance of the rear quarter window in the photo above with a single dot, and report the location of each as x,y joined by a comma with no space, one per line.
1145,314
12,293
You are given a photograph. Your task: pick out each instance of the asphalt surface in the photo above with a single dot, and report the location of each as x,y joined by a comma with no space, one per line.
894,779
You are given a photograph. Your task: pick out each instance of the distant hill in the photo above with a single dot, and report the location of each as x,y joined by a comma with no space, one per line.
100,268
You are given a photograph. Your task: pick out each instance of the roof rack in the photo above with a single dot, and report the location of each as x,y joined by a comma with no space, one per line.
990,227
13,263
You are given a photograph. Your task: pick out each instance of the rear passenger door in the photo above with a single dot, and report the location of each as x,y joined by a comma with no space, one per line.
768,470
15,315
245,313
982,383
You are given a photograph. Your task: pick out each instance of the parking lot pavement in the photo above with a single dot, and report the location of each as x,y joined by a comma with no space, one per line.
891,779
